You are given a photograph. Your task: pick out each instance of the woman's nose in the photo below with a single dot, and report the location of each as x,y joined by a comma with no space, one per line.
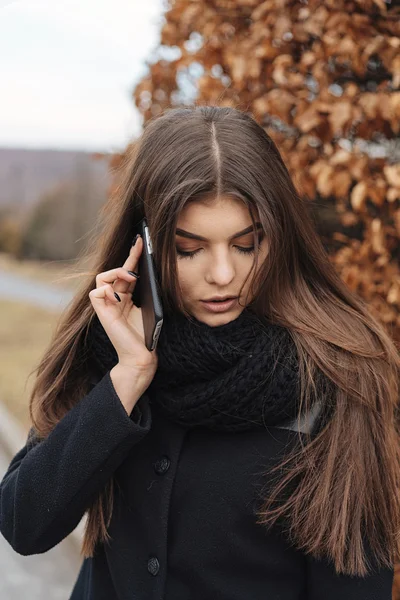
221,271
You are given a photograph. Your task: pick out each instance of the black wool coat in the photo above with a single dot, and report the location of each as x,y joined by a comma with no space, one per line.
183,524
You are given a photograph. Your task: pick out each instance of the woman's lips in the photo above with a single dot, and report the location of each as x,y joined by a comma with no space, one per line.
219,306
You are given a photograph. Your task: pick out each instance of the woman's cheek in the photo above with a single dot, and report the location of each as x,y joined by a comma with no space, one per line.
182,277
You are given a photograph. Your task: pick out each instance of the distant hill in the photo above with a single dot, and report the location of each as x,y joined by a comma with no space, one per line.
26,174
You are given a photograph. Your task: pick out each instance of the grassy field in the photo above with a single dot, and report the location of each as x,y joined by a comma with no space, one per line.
25,332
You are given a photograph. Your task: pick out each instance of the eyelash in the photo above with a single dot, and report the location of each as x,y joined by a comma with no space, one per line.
192,254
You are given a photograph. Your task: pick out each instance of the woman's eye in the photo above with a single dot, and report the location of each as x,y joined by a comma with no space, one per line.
249,250
241,249
184,254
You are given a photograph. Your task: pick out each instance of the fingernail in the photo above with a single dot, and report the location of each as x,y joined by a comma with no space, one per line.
117,297
135,239
134,274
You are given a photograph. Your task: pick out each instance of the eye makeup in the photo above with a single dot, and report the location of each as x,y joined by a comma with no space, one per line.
249,250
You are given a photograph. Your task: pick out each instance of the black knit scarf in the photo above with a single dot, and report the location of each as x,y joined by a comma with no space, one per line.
236,376
233,377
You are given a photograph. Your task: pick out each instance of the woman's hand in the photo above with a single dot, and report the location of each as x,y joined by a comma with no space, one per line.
121,319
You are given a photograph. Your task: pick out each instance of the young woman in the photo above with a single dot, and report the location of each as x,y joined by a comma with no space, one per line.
255,453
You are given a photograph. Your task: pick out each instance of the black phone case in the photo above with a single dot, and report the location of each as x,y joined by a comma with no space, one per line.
147,292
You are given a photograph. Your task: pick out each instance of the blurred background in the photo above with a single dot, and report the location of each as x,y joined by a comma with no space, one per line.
78,82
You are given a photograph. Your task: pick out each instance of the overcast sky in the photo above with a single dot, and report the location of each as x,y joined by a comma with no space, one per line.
68,67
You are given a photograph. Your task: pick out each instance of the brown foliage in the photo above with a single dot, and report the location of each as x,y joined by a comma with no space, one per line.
324,80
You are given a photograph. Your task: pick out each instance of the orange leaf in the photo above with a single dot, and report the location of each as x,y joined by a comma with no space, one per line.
358,196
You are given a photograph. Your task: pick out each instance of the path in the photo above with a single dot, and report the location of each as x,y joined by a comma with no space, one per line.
17,287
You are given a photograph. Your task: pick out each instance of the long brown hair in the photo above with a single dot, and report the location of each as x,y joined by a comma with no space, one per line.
347,475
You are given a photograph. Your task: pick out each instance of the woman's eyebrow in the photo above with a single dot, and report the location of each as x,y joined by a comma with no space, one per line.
192,236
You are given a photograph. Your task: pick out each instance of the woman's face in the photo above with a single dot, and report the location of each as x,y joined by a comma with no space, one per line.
217,264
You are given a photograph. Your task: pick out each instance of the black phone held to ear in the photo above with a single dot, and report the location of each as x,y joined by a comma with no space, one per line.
146,294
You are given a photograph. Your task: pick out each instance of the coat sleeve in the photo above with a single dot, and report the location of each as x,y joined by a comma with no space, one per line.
324,582
50,483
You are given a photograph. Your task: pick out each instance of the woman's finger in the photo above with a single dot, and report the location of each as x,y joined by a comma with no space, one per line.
114,275
102,297
131,264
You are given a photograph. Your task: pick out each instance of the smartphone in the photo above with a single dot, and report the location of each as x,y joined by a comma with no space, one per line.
146,294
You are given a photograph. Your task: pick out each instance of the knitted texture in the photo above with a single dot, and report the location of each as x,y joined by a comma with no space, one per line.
233,377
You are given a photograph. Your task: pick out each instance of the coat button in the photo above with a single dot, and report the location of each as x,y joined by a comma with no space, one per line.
162,465
153,566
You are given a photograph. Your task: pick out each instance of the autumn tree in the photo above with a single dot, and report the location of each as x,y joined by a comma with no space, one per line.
323,79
